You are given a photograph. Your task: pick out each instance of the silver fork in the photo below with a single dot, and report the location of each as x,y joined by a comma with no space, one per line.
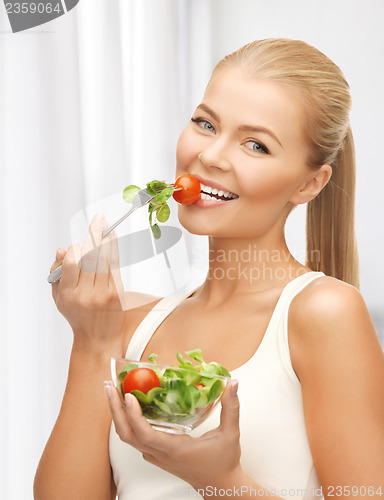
141,199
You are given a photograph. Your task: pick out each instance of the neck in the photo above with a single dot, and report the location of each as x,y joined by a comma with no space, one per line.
239,266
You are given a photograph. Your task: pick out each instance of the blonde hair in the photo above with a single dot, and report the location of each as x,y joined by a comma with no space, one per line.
324,92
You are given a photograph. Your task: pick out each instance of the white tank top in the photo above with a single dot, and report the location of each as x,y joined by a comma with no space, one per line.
274,445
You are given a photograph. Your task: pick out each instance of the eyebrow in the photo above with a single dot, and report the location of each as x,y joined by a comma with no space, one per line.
242,128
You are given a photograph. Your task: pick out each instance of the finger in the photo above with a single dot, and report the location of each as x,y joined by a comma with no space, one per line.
115,281
90,251
229,418
144,433
60,254
119,417
70,267
58,260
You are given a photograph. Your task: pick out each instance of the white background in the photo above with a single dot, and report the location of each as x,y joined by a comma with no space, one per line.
94,101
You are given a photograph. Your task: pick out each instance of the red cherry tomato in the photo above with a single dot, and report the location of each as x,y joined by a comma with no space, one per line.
140,379
190,189
200,386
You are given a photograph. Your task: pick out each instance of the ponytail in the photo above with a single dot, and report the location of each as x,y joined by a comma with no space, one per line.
331,238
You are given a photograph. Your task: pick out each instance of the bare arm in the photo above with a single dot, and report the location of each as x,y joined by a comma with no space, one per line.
340,364
75,462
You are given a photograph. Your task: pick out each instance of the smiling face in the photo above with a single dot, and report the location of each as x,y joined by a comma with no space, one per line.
246,136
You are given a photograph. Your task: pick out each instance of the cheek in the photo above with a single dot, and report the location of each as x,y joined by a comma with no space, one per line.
272,181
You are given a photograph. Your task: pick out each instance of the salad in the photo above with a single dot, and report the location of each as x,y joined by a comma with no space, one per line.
185,190
175,394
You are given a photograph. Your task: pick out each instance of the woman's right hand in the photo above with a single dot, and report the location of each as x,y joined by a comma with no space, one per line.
90,295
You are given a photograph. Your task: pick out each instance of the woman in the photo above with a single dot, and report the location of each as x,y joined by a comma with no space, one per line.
273,129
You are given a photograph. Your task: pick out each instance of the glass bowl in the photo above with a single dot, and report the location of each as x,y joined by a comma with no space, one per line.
182,400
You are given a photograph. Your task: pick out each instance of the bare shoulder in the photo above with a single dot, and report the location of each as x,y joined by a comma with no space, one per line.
338,358
323,298
328,312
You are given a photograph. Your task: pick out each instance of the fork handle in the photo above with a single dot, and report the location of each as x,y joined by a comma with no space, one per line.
55,275
111,228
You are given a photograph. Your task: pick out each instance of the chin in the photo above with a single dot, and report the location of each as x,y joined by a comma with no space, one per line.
199,225
194,227
194,223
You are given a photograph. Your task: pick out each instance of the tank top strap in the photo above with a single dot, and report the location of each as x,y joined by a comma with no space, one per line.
280,330
152,320
292,288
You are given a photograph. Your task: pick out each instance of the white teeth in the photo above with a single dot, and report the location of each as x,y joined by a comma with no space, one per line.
204,196
209,190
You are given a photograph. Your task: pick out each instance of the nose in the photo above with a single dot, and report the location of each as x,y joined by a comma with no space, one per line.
215,156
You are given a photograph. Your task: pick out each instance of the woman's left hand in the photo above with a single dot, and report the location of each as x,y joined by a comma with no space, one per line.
207,460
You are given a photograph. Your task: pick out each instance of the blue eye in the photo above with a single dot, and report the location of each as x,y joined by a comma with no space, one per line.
204,124
258,147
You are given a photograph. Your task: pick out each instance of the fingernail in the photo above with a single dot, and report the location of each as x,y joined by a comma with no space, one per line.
58,254
234,387
108,389
99,217
128,400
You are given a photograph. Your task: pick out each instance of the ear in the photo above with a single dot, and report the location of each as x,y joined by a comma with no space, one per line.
312,186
